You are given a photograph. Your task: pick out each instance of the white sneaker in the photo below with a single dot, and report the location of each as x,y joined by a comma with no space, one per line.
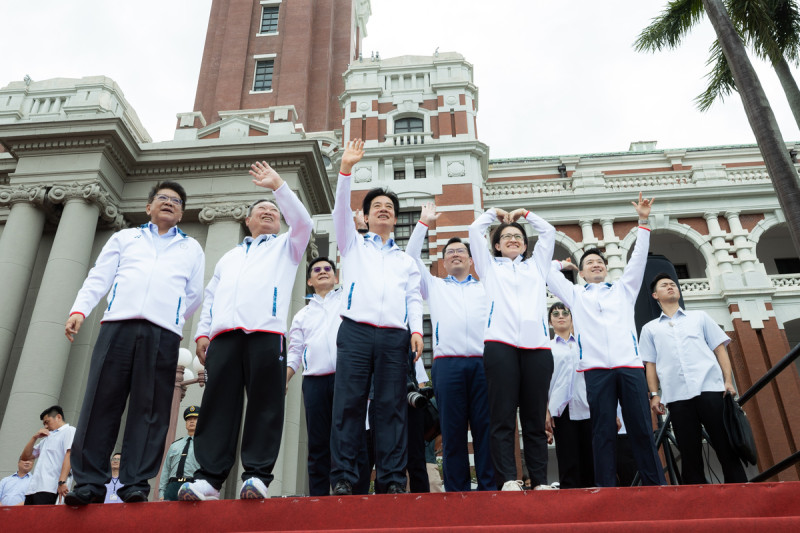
545,487
513,485
198,490
253,489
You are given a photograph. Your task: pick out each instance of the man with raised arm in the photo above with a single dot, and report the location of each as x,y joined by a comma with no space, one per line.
458,315
240,339
380,300
153,276
603,315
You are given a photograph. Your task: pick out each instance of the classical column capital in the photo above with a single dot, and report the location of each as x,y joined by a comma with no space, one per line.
607,221
92,192
585,222
732,214
223,211
12,194
708,215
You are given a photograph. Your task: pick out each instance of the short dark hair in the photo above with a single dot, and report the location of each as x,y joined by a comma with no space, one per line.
499,230
116,454
455,240
557,305
319,260
591,251
261,201
52,411
659,277
171,185
380,191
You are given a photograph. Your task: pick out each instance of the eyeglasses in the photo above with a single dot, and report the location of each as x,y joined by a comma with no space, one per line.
165,198
115,459
560,312
317,270
456,251
512,236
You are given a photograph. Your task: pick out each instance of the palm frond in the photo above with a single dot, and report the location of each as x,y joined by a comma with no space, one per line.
720,79
668,29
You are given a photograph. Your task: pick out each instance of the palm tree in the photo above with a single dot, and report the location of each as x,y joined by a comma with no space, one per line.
770,27
759,114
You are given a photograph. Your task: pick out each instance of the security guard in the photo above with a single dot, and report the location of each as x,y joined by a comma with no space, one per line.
180,463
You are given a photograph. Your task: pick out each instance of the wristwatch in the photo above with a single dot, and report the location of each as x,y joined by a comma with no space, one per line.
61,482
653,394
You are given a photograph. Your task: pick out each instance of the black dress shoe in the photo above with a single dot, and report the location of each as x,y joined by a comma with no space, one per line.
343,488
395,488
83,496
134,496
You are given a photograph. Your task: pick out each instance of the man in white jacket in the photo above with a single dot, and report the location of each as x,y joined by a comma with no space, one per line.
240,338
153,276
603,316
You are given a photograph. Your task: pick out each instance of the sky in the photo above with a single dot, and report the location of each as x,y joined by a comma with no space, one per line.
554,78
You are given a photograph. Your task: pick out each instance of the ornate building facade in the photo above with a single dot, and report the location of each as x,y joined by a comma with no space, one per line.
77,165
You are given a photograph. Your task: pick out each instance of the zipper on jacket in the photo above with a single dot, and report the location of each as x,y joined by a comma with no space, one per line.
178,311
580,347
350,295
275,301
437,333
113,295
635,346
491,311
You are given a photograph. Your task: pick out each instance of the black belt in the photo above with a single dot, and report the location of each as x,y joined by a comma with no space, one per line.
181,480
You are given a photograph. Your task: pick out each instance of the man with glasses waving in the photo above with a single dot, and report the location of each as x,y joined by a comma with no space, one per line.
458,316
153,276
240,339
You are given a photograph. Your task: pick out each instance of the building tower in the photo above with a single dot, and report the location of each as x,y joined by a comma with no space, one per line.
266,53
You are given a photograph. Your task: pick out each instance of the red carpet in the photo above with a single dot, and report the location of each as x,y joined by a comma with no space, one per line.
729,508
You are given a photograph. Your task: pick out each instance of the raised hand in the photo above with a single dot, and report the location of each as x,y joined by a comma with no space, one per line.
516,214
353,152
567,264
359,220
502,215
429,216
643,207
265,176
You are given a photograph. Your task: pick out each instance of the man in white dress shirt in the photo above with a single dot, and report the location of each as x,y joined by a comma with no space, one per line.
14,487
685,352
49,480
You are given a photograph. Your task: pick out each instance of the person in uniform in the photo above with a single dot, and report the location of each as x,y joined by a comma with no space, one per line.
180,464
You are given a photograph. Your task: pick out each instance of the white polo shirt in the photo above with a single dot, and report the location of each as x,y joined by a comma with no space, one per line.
50,452
312,337
682,348
567,385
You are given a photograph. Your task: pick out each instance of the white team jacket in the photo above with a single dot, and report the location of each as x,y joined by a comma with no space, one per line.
312,337
380,288
602,313
252,284
162,288
458,309
515,289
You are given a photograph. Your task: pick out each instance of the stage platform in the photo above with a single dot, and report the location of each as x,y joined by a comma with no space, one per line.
773,507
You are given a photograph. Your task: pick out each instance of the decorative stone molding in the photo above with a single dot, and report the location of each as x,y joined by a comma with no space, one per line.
10,195
363,175
92,192
223,212
456,169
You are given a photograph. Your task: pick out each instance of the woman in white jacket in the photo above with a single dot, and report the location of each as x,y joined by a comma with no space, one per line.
516,356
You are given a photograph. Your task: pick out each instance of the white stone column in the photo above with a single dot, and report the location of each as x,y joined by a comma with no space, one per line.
616,263
717,238
43,361
18,246
743,247
588,240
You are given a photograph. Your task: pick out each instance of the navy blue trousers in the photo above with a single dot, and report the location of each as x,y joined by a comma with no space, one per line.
573,451
366,352
462,396
628,387
318,400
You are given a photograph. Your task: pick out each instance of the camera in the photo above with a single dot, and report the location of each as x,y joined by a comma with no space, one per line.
418,397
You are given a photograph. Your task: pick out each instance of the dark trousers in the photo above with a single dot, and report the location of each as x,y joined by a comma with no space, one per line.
237,362
628,387
462,396
41,498
687,417
133,357
518,378
366,352
573,451
318,399
416,467
626,464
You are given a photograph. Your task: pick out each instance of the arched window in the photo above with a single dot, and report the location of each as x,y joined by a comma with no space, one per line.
408,125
